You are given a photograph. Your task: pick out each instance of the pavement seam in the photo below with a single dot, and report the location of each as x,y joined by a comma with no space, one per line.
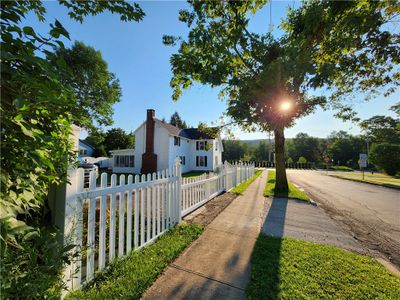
204,276
239,235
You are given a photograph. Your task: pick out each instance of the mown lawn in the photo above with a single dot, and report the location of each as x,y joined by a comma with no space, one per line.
238,190
193,174
376,178
285,268
294,192
129,277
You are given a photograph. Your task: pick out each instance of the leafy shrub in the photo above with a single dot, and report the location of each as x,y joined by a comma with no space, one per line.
290,160
302,160
386,157
34,269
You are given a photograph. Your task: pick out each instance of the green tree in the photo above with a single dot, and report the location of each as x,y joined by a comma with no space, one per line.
386,157
304,145
117,138
233,150
344,148
95,137
95,88
302,160
261,152
261,77
177,121
99,151
352,44
382,129
289,160
38,109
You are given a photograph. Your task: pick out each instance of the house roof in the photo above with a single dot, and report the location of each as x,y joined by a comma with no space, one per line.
189,133
83,142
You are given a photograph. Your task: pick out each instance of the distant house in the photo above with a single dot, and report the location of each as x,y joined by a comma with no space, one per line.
158,144
85,150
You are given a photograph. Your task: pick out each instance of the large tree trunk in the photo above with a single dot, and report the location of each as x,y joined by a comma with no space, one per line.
281,184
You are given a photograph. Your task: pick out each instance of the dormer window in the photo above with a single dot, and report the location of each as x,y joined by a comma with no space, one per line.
201,145
177,141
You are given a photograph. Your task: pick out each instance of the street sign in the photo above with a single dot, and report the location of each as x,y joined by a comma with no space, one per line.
363,160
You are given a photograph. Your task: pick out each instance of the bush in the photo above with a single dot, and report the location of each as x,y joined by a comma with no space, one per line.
100,152
290,160
386,157
33,269
302,160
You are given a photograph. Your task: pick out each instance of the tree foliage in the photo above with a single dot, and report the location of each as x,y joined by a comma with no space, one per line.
38,108
386,157
354,46
177,121
117,138
382,129
96,89
256,71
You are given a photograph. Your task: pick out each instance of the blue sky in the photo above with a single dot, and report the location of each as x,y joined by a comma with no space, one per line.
135,53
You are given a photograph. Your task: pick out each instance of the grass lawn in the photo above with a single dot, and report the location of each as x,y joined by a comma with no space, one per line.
129,277
376,178
294,192
292,269
238,190
193,174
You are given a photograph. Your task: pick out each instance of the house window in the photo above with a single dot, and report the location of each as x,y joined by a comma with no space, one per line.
124,161
177,141
183,160
201,145
201,161
82,151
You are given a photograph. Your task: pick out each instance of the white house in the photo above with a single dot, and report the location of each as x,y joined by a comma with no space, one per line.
157,144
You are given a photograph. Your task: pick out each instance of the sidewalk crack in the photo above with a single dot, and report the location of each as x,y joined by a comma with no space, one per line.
204,276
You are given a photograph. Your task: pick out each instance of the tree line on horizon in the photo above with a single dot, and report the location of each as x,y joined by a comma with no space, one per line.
380,138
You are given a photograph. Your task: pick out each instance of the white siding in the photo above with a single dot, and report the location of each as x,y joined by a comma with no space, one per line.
182,150
161,142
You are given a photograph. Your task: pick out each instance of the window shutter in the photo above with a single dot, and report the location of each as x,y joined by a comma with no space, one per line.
205,161
197,161
197,145
205,145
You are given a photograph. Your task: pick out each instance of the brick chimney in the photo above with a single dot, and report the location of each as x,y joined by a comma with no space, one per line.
149,158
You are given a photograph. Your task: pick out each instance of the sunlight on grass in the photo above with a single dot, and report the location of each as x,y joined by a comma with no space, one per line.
129,277
294,192
238,190
376,178
285,268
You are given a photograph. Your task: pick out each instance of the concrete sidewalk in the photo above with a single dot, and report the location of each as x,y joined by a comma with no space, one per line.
217,265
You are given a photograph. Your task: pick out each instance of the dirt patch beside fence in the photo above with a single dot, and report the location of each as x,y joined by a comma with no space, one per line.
207,213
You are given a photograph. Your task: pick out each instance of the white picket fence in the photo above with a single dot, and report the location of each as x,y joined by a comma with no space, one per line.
111,220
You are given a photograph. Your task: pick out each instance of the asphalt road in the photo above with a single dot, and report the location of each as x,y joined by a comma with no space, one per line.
370,213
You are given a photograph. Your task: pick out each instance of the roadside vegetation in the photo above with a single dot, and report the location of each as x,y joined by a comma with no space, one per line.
129,277
238,190
285,268
193,174
293,191
375,178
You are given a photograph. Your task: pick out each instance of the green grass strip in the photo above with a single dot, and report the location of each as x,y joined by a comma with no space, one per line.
193,174
238,190
285,268
129,277
294,192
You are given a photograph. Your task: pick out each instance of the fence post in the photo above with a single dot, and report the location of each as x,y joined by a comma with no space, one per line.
66,210
178,170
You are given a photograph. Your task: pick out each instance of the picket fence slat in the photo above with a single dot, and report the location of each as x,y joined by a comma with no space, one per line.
133,212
